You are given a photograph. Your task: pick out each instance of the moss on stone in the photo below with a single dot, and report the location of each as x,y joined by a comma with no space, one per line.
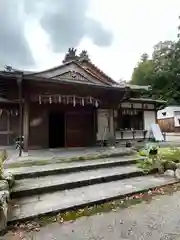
4,185
28,163
113,205
9,178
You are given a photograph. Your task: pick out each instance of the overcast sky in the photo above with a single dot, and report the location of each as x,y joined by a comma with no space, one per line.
35,34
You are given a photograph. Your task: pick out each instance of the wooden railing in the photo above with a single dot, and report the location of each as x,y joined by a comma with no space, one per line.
131,134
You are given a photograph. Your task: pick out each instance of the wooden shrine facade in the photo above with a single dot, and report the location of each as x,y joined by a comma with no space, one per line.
73,105
54,113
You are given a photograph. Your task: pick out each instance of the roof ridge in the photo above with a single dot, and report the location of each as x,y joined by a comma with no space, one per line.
100,71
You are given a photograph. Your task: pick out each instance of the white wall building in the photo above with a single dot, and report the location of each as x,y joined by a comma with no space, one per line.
169,119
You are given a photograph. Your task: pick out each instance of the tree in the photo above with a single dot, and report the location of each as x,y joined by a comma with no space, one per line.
144,57
142,74
166,83
162,72
162,55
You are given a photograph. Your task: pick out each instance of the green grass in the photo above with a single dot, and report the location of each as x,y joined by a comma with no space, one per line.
170,154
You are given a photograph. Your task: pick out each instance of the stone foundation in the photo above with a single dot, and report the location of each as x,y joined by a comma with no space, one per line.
4,198
5,186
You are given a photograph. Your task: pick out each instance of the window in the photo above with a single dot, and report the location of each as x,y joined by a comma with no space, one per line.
130,119
177,113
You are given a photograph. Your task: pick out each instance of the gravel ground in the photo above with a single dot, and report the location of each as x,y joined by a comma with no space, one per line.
159,219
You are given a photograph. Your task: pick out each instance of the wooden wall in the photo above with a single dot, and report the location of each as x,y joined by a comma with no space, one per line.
39,122
167,125
9,126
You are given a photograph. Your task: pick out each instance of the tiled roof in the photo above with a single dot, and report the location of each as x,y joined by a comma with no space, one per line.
109,79
138,87
148,100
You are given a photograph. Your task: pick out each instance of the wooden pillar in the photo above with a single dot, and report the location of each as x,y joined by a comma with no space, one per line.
95,128
114,130
111,122
156,110
8,127
65,129
19,82
26,125
143,116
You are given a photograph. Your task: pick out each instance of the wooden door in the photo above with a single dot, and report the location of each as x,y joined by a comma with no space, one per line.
79,129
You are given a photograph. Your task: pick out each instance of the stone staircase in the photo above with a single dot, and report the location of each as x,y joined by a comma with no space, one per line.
53,188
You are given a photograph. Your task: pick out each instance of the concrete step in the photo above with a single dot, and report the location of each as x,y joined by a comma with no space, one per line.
58,201
68,167
35,157
45,184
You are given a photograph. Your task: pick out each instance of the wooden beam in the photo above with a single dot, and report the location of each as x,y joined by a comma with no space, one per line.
26,125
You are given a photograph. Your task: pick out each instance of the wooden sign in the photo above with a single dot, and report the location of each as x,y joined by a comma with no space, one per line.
155,132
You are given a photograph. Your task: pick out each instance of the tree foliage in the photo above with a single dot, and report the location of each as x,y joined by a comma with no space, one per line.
142,74
161,71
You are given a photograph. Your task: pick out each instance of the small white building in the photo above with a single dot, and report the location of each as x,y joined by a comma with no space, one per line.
169,119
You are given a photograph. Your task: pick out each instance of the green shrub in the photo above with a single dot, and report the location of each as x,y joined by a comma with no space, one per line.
165,159
151,149
146,165
143,153
1,170
151,163
3,157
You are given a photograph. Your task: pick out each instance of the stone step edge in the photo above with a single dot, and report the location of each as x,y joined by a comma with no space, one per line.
71,169
89,203
76,184
95,156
